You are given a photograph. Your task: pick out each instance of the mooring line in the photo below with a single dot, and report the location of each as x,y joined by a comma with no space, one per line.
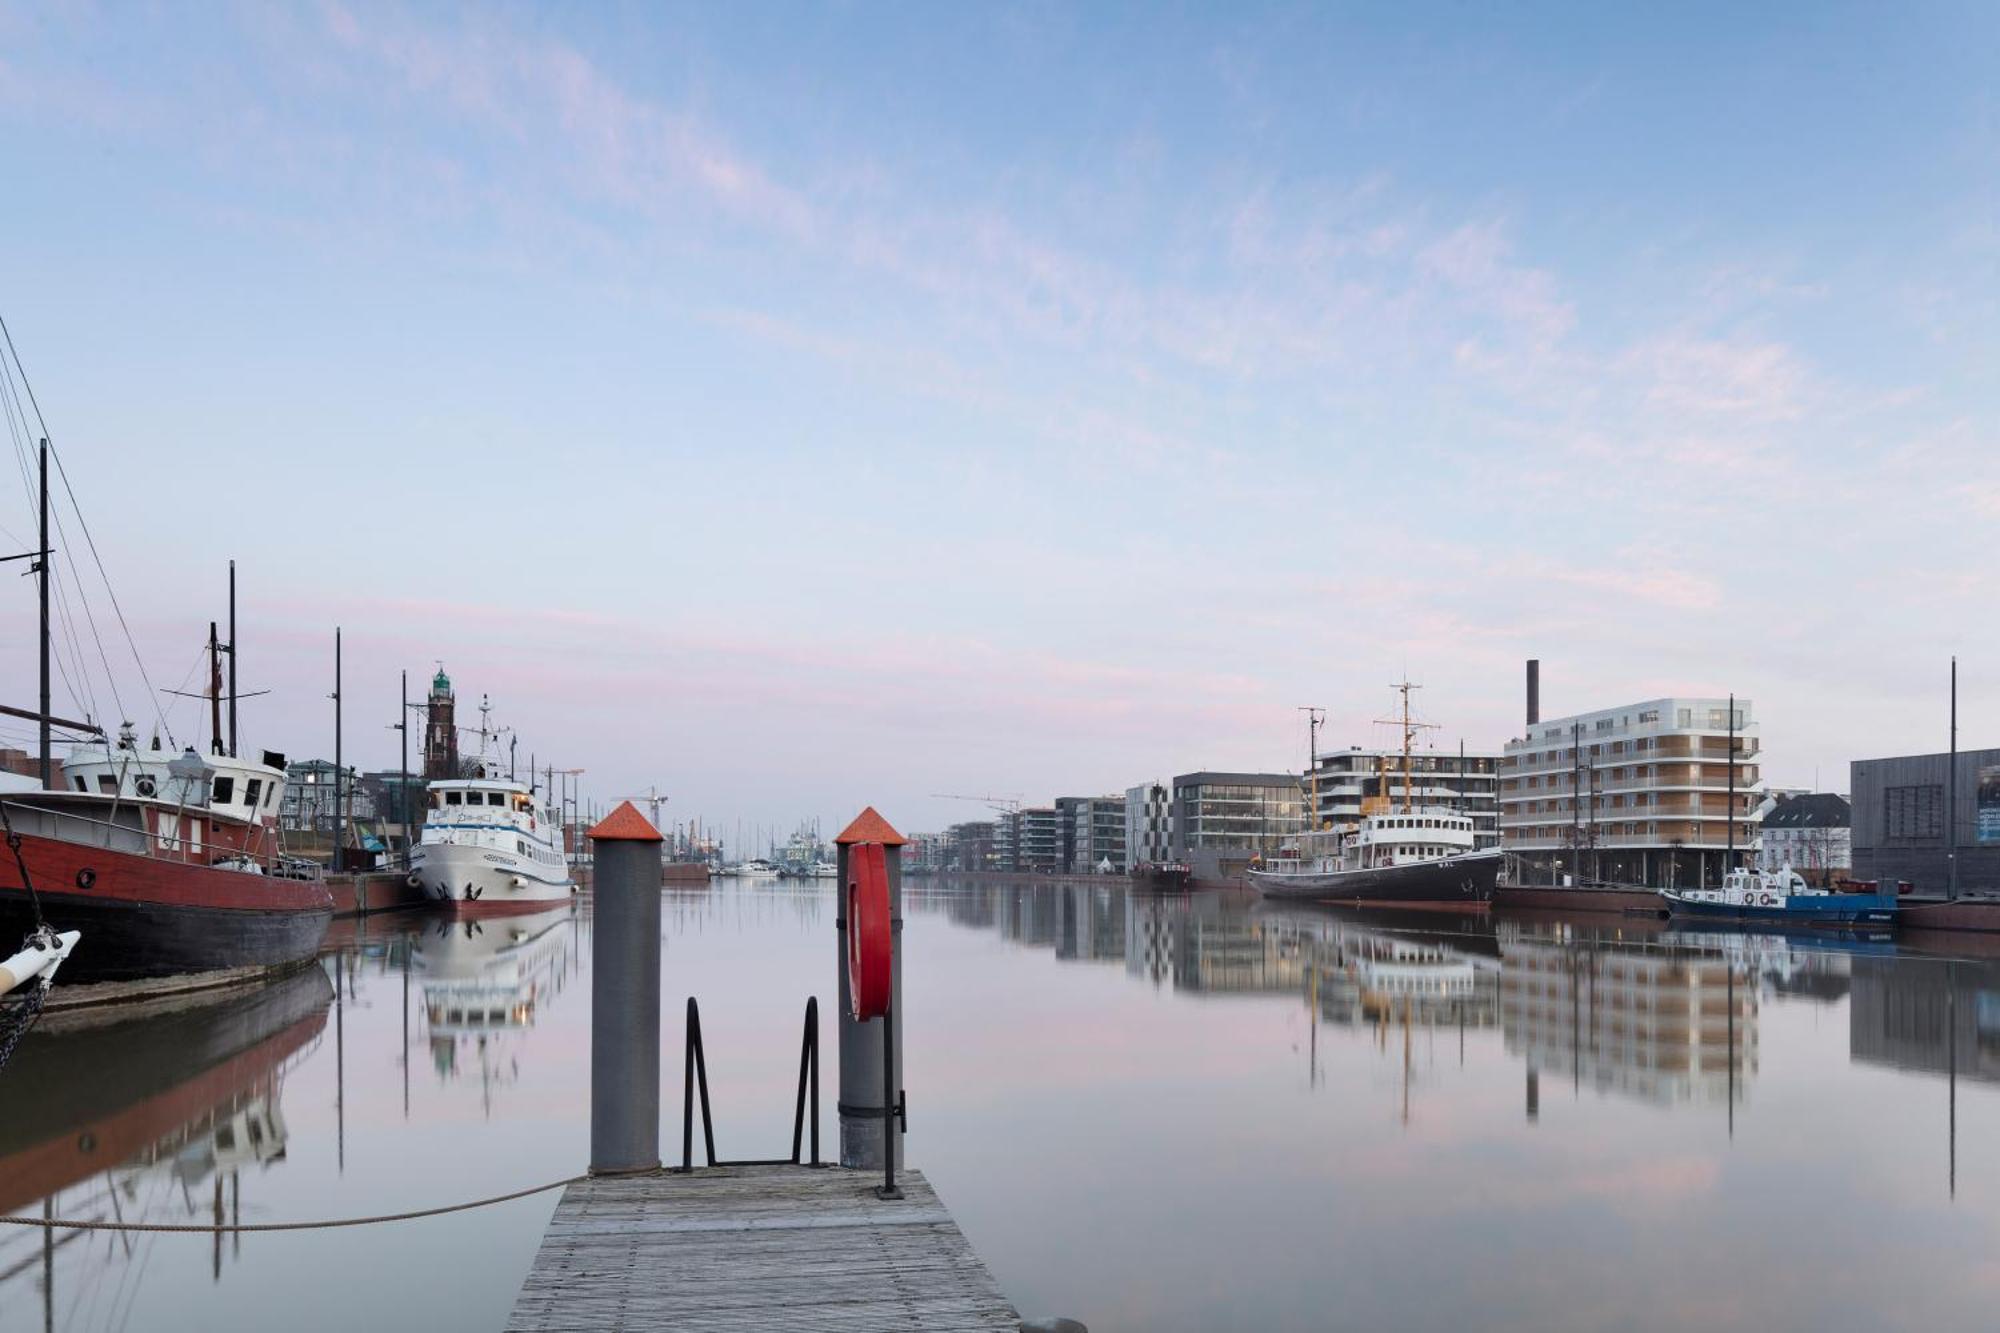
209,1228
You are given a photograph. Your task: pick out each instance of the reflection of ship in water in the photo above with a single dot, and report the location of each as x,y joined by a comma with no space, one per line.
146,1115
1658,1024
485,978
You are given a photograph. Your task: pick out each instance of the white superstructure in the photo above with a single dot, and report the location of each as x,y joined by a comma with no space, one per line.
489,842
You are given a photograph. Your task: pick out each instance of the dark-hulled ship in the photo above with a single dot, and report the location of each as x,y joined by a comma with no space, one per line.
1422,854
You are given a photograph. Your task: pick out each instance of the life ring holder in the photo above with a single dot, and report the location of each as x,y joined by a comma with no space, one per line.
870,960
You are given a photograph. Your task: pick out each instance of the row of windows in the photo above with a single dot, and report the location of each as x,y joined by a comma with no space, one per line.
441,799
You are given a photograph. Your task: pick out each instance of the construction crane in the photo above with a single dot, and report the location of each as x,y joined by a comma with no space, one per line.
652,800
1006,805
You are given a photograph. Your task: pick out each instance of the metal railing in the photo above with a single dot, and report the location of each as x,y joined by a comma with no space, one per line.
695,1076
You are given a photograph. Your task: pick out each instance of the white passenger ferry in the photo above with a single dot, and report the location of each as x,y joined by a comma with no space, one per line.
490,845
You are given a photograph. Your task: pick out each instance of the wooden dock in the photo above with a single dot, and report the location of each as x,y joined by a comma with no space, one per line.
759,1247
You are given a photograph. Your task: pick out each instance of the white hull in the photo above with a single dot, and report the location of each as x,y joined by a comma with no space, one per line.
466,873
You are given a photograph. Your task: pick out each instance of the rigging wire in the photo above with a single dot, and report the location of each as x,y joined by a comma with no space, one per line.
90,541
76,680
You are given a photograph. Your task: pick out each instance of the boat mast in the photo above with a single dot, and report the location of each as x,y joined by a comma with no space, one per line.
232,659
42,567
214,691
1314,716
1410,730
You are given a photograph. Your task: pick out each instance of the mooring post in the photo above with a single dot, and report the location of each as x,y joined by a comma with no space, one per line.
625,994
870,1049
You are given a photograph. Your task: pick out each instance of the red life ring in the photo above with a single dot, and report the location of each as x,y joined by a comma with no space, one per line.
869,942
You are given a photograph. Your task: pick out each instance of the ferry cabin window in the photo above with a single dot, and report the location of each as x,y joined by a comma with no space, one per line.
252,789
82,786
451,798
496,798
225,791
107,784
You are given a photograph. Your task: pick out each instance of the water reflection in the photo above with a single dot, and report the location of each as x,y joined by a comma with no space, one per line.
1215,1113
1635,1010
144,1116
483,983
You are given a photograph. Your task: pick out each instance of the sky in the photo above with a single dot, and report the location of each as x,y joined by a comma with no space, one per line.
795,408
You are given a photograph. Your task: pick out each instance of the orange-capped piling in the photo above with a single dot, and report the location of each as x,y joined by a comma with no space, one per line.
626,824
868,826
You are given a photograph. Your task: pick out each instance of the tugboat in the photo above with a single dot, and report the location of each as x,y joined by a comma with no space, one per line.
1780,896
1423,854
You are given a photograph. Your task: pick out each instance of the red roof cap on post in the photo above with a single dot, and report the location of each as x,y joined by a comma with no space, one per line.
870,827
625,824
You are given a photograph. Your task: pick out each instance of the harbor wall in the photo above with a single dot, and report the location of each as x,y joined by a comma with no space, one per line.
373,891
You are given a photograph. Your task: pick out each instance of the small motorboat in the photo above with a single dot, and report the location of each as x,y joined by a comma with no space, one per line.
1781,896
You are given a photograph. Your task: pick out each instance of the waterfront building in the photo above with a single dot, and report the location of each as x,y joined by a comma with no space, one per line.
311,800
1222,820
1149,825
1093,832
1808,832
969,846
1006,841
925,852
1469,784
1912,817
1038,840
1638,794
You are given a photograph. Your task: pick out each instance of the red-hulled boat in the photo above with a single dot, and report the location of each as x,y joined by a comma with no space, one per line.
166,864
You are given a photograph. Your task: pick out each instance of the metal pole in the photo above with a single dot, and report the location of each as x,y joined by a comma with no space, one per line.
339,777
1950,800
1730,863
403,775
232,659
42,563
625,996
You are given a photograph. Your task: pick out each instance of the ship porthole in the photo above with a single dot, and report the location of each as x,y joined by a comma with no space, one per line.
86,1142
86,877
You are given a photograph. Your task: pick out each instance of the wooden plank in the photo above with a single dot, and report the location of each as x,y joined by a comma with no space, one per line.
784,1248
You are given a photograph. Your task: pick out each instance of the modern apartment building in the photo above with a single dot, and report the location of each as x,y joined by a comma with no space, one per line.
1149,824
969,846
1038,839
1093,832
1638,794
1347,778
1222,820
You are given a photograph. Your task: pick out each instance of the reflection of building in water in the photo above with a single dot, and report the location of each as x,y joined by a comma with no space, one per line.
153,1115
484,978
1659,1025
1926,1015
1092,923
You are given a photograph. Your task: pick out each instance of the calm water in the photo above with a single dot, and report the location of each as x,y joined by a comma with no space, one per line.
1157,1113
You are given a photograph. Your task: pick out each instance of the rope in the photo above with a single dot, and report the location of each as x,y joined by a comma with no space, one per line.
14,846
209,1229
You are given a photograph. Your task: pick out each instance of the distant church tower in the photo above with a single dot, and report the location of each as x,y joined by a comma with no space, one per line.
440,731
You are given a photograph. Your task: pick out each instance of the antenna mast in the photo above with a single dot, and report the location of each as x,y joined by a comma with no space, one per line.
1410,730
1314,716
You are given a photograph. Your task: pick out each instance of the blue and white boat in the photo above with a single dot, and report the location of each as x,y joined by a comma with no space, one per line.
1780,896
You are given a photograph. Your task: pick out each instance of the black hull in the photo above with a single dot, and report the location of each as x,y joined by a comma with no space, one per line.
1155,878
1467,879
128,941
